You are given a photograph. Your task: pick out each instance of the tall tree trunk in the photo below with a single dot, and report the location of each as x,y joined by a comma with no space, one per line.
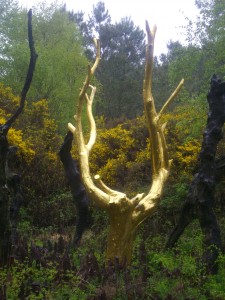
4,201
10,182
10,201
13,184
200,199
5,228
120,238
77,188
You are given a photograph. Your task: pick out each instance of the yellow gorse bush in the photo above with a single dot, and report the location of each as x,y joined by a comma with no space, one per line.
15,137
186,156
35,133
9,103
117,152
122,154
110,145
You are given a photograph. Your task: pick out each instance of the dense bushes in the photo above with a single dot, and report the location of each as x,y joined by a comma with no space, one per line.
122,154
45,269
48,271
35,135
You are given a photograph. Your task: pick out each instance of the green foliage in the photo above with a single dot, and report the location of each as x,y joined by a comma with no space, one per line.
61,65
216,284
177,274
184,131
203,56
121,69
48,273
55,210
122,154
46,267
35,135
43,174
174,196
188,62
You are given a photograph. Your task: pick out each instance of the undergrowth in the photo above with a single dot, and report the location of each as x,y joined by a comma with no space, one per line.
46,266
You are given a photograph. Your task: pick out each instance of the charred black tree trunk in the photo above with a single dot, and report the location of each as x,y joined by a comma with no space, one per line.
5,244
200,199
13,184
10,191
77,188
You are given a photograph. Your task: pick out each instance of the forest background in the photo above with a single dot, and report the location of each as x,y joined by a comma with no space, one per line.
63,41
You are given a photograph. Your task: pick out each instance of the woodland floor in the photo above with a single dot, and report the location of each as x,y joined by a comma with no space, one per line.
46,267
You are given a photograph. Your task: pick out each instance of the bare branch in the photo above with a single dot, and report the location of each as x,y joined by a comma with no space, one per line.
159,152
98,196
149,105
91,71
135,201
82,96
30,72
97,60
105,188
147,88
150,202
170,99
71,128
91,118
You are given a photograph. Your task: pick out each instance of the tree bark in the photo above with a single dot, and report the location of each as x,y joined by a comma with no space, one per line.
120,238
77,188
200,199
13,184
4,201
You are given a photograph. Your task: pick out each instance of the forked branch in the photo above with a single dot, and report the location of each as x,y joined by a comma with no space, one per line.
170,99
141,205
96,194
159,152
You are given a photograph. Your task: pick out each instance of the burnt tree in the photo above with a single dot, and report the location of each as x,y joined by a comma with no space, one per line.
71,167
200,199
10,190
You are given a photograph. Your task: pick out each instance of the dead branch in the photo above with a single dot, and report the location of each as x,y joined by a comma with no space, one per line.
159,152
100,197
30,72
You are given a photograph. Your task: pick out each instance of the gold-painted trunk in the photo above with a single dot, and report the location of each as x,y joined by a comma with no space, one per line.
120,238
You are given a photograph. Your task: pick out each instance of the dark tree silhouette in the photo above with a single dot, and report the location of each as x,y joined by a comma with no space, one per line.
78,191
200,199
10,190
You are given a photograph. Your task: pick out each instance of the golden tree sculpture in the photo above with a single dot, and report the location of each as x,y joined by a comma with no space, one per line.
125,215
